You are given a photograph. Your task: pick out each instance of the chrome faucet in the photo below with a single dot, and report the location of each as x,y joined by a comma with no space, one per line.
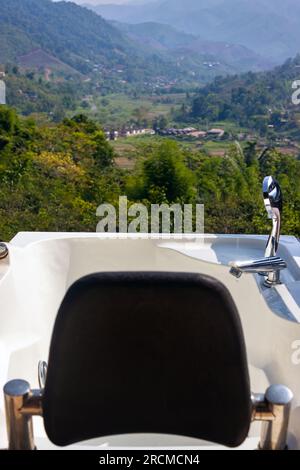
271,265
273,204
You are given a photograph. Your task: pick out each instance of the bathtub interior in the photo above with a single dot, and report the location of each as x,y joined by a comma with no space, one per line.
40,273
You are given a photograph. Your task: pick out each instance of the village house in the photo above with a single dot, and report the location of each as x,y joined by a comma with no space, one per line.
217,133
2,92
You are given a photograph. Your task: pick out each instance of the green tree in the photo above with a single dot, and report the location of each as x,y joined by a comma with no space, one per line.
250,153
164,172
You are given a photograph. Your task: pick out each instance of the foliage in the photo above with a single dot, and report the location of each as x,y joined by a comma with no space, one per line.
53,177
30,93
78,39
164,177
255,101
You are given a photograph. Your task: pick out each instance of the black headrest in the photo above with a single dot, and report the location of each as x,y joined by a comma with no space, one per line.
147,352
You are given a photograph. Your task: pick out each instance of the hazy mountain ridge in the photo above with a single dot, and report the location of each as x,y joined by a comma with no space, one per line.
230,58
271,28
89,44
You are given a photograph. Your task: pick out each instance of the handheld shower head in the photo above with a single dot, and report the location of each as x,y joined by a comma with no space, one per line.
271,265
272,197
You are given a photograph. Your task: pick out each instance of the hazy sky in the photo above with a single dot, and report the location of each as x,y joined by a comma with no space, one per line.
98,2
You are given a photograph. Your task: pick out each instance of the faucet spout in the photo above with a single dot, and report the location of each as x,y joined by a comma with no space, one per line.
269,265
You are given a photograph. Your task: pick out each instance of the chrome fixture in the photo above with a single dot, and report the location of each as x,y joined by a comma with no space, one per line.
21,403
3,250
273,204
268,266
271,265
273,409
42,373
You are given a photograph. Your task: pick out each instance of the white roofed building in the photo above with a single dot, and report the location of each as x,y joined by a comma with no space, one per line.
2,92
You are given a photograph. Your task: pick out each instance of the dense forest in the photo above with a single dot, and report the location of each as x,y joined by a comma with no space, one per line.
253,100
80,39
30,93
54,177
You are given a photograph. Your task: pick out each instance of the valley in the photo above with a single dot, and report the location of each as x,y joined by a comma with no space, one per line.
157,110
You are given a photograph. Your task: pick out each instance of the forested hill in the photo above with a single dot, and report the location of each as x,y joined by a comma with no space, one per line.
253,99
76,36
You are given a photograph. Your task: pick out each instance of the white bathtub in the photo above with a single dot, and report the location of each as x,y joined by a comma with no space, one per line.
41,267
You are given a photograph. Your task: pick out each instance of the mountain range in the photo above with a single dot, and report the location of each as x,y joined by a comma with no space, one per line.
193,52
72,38
269,27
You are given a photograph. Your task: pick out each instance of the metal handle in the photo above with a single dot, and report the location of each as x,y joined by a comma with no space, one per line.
273,409
261,266
42,373
21,403
3,250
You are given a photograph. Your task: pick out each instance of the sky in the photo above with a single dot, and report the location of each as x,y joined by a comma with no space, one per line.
103,2
98,2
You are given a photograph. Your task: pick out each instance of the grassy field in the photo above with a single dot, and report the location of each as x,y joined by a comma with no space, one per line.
216,148
117,110
129,150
